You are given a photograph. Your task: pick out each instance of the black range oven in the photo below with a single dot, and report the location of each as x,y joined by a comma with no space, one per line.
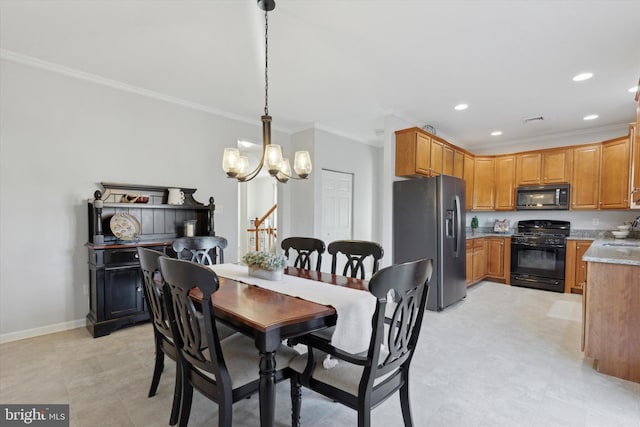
538,252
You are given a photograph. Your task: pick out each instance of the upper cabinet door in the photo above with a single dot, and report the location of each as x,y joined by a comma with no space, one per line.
483,184
585,178
468,171
556,166
528,168
614,174
505,183
458,164
413,153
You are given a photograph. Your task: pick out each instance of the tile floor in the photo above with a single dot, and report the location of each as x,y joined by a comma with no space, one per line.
505,356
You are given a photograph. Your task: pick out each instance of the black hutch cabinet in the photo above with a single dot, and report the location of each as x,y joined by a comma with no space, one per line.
116,296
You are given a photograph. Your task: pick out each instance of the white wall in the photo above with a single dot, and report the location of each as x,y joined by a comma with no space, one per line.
341,154
59,137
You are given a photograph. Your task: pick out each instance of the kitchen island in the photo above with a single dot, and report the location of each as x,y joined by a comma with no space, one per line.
611,307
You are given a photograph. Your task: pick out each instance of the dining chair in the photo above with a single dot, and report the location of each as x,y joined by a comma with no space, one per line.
305,248
164,344
206,250
363,381
223,370
356,252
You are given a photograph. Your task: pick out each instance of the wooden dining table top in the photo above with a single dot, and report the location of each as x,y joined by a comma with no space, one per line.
260,309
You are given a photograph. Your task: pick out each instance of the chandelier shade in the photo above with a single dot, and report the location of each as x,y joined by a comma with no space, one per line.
236,165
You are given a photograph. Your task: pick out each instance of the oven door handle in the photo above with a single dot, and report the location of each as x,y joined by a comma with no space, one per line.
525,279
533,245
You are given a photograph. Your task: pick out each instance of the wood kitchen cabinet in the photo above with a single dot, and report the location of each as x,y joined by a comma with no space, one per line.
575,269
447,160
528,167
611,304
615,164
468,171
499,258
437,149
585,177
544,167
484,184
458,164
476,260
634,135
556,166
488,258
418,153
469,258
505,174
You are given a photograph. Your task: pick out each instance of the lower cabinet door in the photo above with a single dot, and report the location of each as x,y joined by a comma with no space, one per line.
123,292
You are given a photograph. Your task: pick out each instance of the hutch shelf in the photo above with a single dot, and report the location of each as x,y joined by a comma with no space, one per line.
116,297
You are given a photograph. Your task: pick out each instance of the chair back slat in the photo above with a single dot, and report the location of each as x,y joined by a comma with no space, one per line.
305,247
199,347
153,283
205,250
408,283
356,253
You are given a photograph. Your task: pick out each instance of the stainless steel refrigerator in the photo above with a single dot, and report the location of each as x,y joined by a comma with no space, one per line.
429,221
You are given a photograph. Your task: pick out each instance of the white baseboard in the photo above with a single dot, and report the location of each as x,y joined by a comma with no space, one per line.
43,330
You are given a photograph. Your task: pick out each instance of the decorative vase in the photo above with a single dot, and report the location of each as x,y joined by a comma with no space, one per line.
473,231
260,273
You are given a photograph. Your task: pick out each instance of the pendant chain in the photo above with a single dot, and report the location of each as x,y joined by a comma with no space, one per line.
266,65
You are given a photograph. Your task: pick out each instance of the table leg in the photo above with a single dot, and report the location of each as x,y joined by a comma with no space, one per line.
267,390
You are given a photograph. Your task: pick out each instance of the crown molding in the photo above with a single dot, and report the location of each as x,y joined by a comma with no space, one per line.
557,135
100,80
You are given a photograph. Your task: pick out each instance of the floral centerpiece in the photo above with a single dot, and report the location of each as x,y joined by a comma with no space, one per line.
265,265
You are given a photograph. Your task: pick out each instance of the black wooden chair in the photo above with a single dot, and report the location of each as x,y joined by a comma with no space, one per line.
163,336
363,381
305,247
206,250
356,252
223,370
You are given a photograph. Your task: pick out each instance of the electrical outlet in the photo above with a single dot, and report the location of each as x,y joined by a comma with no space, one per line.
596,221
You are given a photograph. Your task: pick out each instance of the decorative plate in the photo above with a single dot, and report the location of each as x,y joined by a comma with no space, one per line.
125,226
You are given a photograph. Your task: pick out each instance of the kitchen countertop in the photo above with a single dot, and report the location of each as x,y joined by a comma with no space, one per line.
480,234
614,251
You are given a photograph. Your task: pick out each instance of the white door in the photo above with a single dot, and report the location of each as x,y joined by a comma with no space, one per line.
337,203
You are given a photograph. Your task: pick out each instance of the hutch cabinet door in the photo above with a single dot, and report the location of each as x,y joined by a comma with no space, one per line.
123,292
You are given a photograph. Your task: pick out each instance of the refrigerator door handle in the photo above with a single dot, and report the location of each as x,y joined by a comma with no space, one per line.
458,234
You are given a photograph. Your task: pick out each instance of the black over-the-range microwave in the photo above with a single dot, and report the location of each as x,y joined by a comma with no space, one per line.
541,197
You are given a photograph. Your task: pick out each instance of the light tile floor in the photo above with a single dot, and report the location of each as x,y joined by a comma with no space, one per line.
505,356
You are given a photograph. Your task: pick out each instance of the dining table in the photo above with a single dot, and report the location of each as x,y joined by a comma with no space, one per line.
272,317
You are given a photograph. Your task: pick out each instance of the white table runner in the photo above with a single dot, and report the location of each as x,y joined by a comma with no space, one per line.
354,308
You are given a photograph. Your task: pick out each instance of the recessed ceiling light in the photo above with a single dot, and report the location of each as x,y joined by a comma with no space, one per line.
496,133
461,107
582,77
590,117
633,89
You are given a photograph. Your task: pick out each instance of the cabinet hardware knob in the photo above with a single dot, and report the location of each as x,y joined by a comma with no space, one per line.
139,289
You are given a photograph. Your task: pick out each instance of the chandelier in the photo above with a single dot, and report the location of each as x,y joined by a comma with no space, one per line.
236,165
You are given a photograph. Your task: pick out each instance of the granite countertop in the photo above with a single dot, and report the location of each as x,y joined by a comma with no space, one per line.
614,251
486,234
